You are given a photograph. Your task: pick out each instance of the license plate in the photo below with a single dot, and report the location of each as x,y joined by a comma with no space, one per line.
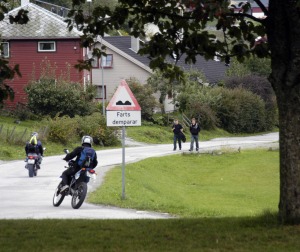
31,161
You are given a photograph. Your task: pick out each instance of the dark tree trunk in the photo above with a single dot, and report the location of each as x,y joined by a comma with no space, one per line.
283,30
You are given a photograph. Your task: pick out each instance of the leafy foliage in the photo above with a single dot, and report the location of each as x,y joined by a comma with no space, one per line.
144,96
95,126
65,129
254,65
62,129
242,111
47,97
181,33
52,95
236,110
260,86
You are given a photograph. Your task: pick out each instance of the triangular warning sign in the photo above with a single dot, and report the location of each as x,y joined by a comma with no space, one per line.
123,99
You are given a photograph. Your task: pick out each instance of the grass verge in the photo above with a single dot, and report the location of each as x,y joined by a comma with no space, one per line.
193,185
204,234
148,134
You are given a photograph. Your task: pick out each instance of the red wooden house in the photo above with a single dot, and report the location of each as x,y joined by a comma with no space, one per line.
45,38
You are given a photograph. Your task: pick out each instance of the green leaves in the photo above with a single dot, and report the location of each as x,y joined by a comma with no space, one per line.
182,33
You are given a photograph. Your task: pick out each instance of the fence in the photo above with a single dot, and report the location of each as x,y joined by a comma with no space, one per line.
14,135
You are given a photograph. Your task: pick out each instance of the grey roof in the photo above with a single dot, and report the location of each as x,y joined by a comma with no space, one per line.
42,24
213,70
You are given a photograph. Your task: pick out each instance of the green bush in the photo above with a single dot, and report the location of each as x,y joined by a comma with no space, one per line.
200,102
241,111
62,129
49,97
260,86
235,110
65,129
95,126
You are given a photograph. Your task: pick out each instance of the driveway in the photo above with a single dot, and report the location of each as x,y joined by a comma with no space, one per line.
22,197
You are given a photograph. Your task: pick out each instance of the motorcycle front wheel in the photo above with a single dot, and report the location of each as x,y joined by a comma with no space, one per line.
30,168
58,197
79,195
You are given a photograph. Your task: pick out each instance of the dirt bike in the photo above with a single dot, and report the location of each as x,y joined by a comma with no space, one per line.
77,188
33,164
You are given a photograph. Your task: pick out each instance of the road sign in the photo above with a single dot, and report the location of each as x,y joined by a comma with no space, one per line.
123,99
123,108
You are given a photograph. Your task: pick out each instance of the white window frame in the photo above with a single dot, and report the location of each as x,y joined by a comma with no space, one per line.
104,61
95,62
99,94
48,42
2,54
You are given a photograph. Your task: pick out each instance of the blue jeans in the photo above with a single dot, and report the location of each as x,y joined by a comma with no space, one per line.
177,138
194,138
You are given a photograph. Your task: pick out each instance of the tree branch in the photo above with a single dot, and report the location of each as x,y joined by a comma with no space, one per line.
263,8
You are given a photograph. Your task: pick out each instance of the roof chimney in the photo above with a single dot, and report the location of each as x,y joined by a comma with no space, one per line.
135,44
24,2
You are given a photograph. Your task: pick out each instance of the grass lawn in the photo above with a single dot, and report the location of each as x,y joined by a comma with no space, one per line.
203,234
226,203
193,185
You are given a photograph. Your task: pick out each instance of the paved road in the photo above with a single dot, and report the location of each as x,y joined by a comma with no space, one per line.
22,197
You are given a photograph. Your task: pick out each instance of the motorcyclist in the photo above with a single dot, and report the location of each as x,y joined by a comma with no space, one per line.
34,145
86,141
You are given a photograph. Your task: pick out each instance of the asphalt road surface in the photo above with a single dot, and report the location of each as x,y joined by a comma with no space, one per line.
22,197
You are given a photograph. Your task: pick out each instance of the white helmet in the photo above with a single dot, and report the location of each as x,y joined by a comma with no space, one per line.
87,140
35,134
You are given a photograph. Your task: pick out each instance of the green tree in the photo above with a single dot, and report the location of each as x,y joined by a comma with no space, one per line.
182,33
251,65
144,96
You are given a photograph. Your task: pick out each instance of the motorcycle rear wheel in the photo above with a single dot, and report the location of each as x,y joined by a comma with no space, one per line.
30,168
79,195
58,197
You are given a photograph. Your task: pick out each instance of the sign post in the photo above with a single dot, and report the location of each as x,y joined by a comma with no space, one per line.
123,110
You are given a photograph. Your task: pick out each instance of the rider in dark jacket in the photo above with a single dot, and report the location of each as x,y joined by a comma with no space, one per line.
86,142
34,145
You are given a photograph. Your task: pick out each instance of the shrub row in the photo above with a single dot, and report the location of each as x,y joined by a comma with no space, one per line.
65,129
235,110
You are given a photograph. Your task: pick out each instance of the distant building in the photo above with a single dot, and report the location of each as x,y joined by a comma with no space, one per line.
44,38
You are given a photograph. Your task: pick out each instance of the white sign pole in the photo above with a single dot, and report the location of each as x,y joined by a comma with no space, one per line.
123,162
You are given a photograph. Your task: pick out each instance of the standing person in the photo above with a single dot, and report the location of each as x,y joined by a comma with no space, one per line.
177,130
194,129
34,145
86,148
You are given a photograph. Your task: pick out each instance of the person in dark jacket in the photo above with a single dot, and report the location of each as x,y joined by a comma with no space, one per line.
194,129
86,141
177,130
34,145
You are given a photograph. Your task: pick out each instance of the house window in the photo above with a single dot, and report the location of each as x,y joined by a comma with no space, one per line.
107,61
100,94
95,62
4,49
46,46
